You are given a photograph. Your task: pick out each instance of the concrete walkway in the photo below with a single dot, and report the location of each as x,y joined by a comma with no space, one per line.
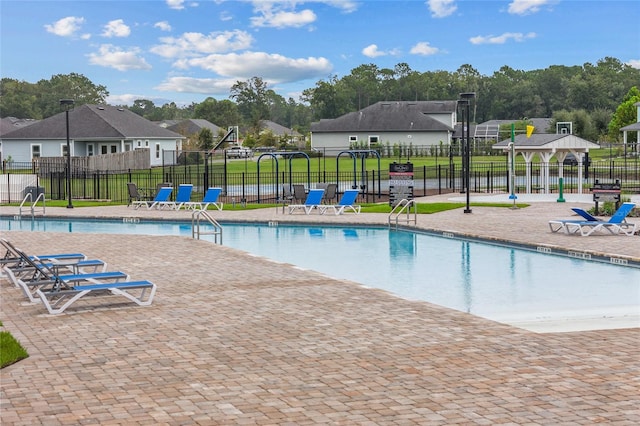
259,342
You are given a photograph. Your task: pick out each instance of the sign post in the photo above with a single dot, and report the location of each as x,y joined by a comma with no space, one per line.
400,182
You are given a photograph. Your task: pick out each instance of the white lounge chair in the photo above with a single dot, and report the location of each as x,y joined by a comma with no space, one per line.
557,225
210,198
347,202
617,224
58,292
313,201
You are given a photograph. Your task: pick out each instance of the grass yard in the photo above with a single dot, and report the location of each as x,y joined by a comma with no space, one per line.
10,349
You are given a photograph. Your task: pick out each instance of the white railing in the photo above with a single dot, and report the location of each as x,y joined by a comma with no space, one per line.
402,212
197,218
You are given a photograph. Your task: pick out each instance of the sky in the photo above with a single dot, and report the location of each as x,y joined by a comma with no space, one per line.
186,51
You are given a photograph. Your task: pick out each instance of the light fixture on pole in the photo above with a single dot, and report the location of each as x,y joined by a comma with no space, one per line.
67,104
465,101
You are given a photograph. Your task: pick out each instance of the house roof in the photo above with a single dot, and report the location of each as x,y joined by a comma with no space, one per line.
390,116
193,126
278,129
9,124
94,122
547,141
541,124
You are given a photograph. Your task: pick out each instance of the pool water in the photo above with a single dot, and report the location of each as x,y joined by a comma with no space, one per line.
491,281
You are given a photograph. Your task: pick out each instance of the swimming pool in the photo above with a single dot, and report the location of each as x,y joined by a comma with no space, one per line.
495,282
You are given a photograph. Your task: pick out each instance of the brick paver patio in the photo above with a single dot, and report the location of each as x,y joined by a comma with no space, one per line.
237,339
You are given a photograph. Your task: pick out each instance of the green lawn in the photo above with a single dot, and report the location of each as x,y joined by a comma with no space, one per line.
10,349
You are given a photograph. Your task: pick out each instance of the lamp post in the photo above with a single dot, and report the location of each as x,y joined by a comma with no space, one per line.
68,104
465,101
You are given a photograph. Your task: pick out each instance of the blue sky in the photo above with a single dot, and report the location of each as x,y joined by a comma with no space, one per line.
185,51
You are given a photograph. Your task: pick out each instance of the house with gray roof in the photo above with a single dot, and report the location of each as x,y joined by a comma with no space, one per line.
416,123
93,130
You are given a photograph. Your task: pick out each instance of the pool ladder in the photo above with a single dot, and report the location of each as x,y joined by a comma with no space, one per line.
33,204
197,218
405,211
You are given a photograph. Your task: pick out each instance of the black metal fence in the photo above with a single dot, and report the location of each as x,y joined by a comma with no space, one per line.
266,187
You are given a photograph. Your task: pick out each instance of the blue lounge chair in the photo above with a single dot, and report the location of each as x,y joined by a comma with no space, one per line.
617,224
58,292
162,199
210,197
560,224
183,197
347,202
313,201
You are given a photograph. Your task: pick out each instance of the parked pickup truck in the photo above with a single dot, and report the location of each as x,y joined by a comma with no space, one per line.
239,152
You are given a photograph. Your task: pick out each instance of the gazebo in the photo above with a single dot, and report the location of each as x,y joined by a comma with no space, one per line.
546,146
635,127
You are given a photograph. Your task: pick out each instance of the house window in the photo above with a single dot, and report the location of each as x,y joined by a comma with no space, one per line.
90,150
35,151
353,139
146,143
114,149
373,140
139,143
157,150
63,150
127,147
103,149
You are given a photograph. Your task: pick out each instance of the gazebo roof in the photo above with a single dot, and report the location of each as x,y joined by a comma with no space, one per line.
549,142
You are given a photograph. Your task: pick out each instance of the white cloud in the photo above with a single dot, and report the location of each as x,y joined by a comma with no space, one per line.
424,48
501,39
372,51
273,68
635,63
283,19
207,86
116,28
441,8
192,44
162,25
525,7
175,4
113,57
65,27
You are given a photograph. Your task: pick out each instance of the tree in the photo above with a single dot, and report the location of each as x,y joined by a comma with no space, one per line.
252,99
205,139
70,86
625,114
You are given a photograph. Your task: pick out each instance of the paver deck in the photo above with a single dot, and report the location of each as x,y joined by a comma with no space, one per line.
238,339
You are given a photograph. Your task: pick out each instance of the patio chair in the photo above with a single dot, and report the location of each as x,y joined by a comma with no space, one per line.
347,202
299,193
136,196
330,193
617,224
183,197
560,224
313,201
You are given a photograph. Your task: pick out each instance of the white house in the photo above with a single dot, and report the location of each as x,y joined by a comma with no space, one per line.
93,130
417,123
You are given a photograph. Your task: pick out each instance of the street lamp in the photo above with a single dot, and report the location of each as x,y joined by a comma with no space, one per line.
465,102
67,104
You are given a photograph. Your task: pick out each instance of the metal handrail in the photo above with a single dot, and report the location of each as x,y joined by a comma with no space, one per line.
404,206
196,219
32,206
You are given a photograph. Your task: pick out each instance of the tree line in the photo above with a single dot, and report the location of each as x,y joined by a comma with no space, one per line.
598,98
